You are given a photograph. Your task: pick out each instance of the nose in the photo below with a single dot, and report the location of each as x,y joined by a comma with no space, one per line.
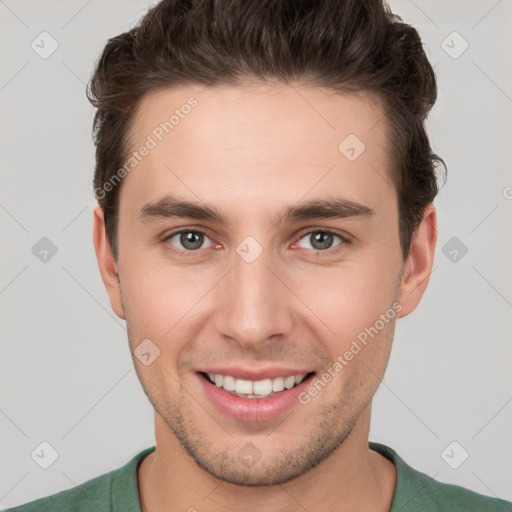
253,303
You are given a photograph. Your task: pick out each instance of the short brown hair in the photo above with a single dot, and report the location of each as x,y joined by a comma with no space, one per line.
344,45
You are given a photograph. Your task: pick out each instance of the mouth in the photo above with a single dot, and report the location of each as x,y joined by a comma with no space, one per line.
258,400
255,389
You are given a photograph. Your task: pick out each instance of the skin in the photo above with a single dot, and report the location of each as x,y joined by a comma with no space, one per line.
251,151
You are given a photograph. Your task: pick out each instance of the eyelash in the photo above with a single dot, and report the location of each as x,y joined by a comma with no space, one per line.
334,250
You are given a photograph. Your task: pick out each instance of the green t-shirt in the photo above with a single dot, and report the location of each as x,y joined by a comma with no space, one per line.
116,491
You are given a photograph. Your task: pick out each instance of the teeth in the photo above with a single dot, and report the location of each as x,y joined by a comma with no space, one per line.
262,387
278,384
289,382
255,389
229,383
299,379
243,386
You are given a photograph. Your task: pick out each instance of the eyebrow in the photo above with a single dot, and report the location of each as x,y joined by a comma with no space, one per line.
330,208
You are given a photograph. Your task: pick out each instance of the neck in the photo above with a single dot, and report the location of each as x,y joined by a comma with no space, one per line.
353,477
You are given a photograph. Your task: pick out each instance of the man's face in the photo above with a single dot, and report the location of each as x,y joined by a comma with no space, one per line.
263,295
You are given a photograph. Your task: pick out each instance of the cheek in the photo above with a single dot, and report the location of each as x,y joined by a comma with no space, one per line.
153,281
171,306
159,300
347,299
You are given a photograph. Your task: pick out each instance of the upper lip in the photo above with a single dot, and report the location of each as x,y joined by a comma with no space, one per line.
254,374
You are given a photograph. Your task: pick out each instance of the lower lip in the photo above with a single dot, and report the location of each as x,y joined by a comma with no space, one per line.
253,409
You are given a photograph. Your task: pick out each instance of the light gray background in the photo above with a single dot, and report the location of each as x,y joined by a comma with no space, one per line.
66,375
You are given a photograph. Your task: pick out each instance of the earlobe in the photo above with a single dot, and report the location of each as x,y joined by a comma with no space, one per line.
106,262
418,267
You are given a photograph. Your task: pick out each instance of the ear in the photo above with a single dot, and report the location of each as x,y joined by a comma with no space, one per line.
417,268
106,262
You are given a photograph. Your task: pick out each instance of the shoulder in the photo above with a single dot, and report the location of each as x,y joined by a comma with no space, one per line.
115,490
90,495
416,491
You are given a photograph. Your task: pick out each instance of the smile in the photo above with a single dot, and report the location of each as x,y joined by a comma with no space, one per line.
262,398
255,388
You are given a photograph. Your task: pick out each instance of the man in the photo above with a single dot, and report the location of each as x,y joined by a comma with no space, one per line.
265,188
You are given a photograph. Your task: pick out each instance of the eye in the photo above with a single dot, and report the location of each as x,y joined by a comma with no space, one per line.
322,240
190,240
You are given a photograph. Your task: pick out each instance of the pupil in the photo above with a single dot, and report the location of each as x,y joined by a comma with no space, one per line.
324,239
191,240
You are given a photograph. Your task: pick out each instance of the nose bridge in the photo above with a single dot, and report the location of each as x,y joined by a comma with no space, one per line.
252,305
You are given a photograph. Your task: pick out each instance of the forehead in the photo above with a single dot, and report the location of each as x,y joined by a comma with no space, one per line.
259,145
